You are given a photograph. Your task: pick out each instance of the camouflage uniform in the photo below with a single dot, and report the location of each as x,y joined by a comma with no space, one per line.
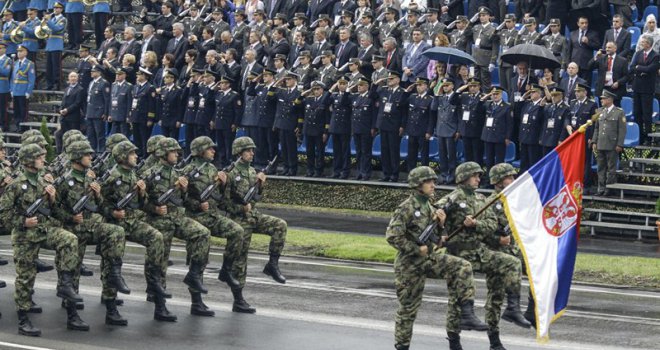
411,269
502,270
110,143
151,159
92,230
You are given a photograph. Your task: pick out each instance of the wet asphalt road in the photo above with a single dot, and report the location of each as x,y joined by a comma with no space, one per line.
326,304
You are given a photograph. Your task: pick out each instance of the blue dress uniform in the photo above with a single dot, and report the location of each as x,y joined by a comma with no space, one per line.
143,111
392,107
6,31
315,127
30,40
417,125
228,110
470,124
340,130
5,75
288,120
40,5
363,123
498,128
21,85
54,48
444,119
190,99
121,97
98,108
554,117
170,110
531,122
579,111
101,12
74,10
205,110
266,102
250,118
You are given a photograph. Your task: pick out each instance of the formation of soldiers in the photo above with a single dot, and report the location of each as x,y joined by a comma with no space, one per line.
84,198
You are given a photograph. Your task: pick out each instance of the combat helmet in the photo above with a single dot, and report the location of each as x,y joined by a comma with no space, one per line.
113,140
121,151
152,143
241,144
419,175
29,153
79,149
465,170
166,145
201,144
500,171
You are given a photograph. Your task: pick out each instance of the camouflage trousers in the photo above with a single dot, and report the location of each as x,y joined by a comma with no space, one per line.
410,279
513,250
112,240
221,226
62,241
138,231
256,222
503,273
187,229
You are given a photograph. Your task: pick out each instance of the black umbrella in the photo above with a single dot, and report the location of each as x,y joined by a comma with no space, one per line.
449,55
537,56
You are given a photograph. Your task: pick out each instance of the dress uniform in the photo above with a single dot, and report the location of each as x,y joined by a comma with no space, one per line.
190,99
581,110
39,5
389,29
340,131
609,135
529,135
84,68
470,124
554,117
461,39
288,123
497,130
5,76
445,121
22,81
558,44
54,47
507,39
98,109
250,118
484,49
74,10
101,12
227,117
363,125
432,26
143,110
530,35
121,97
169,108
328,73
29,39
417,125
315,128
205,105
9,25
379,75
392,108
266,101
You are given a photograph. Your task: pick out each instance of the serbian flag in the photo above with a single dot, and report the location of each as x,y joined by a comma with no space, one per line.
543,206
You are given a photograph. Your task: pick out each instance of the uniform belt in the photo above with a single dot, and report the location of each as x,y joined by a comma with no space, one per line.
56,36
29,39
20,81
4,78
557,53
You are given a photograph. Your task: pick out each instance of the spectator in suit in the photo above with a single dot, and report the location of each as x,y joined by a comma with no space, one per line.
279,45
250,64
317,7
130,45
208,43
414,63
211,61
177,46
392,55
620,36
150,42
110,41
72,105
231,69
299,45
612,72
255,44
644,68
273,7
227,42
365,53
569,83
320,42
345,49
581,45
162,23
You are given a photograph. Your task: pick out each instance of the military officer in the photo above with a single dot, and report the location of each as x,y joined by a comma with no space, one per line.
170,109
38,230
554,117
444,120
498,128
432,26
507,39
340,129
288,122
305,71
29,39
503,272
228,110
9,24
485,49
315,127
143,109
389,28
529,35
239,181
392,107
607,142
363,127
415,261
580,110
327,73
206,103
379,75
98,109
531,123
460,37
121,97
417,123
5,92
471,121
55,45
558,44
190,97
267,138
21,85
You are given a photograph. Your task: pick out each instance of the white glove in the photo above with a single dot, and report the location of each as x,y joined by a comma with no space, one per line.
27,95
491,67
561,73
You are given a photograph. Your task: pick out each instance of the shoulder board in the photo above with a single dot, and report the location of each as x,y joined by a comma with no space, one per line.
618,108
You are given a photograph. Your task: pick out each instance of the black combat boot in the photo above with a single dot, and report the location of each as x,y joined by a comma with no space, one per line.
42,266
3,284
530,314
495,343
112,316
469,320
225,274
240,305
198,307
73,320
118,302
79,306
154,287
25,326
34,308
454,341
194,278
115,279
84,271
513,313
3,261
401,347
65,288
161,313
272,269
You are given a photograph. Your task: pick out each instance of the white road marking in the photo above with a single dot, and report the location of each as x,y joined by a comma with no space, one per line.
21,346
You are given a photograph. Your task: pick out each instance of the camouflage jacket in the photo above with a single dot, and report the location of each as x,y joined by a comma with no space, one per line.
148,163
409,220
75,186
120,183
204,176
493,241
164,180
239,181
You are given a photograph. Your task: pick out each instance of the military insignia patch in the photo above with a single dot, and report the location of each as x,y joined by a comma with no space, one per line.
462,205
24,187
70,183
418,214
118,182
238,177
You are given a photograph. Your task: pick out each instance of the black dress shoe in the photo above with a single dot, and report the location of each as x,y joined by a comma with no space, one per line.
344,177
359,177
309,175
335,176
394,179
384,179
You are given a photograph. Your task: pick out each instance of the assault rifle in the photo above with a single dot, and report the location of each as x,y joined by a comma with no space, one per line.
83,202
255,190
210,189
183,162
169,196
429,232
130,195
37,205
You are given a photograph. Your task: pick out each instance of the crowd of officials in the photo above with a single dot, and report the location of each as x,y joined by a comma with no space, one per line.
347,72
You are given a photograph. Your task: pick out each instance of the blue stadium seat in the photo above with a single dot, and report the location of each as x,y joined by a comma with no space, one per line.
518,26
635,14
594,79
460,152
505,96
632,135
651,9
510,155
156,130
541,27
241,132
634,36
611,10
627,106
403,147
182,135
495,77
512,7
328,147
353,149
465,7
434,149
376,150
656,110
302,149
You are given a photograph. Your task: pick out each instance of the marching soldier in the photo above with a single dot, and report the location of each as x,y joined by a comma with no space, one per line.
340,129
143,109
267,138
580,110
529,34
55,45
168,217
417,123
471,121
227,117
151,158
5,92
485,49
554,117
415,261
531,123
30,233
21,85
363,127
392,103
444,120
98,108
558,44
207,212
507,39
169,108
503,272
498,128
460,37
315,127
288,122
240,181
121,97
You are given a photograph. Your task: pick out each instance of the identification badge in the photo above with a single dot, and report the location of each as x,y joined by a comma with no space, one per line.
388,107
24,187
157,178
489,122
429,42
238,178
574,121
477,42
525,118
114,103
135,103
517,97
191,103
118,182
608,77
202,102
462,205
551,123
466,115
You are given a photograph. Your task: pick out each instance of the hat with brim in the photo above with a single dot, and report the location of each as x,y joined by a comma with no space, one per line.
474,82
143,71
582,87
377,58
556,91
363,81
607,94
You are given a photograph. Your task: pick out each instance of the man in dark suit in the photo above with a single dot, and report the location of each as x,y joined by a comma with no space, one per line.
256,45
296,8
317,7
72,105
231,69
570,82
227,42
581,45
620,36
150,42
130,45
249,64
177,46
518,85
203,46
449,10
84,68
299,45
320,42
612,72
98,108
644,67
273,7
162,23
365,54
393,56
345,49
110,41
279,45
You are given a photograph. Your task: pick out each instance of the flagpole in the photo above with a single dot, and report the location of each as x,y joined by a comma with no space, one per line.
583,128
488,205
